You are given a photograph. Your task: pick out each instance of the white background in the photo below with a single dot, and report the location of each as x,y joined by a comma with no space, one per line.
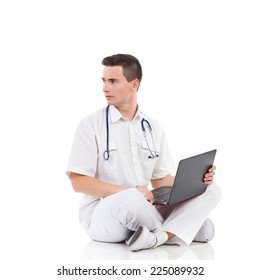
201,80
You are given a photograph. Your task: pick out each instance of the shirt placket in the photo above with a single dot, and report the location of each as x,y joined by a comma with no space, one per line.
134,146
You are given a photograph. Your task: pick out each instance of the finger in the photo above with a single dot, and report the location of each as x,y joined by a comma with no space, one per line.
208,180
209,174
212,168
152,199
149,196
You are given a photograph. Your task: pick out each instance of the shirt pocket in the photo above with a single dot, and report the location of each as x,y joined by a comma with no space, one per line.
111,165
148,157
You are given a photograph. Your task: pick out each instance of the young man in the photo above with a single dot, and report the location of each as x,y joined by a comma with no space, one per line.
115,156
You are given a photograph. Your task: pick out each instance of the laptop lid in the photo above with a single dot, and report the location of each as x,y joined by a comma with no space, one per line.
189,177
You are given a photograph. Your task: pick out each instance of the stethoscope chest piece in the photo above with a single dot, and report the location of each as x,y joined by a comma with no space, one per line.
153,152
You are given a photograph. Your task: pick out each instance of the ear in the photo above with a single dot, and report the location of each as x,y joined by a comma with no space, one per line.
136,84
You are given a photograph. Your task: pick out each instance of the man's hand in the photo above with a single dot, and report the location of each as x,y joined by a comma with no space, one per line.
147,193
208,178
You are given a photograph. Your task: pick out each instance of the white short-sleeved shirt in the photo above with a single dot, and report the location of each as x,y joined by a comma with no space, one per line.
129,164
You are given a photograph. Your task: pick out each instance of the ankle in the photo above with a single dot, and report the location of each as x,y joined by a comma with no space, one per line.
170,235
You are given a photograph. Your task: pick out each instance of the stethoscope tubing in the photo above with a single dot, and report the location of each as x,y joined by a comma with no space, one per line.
144,122
106,154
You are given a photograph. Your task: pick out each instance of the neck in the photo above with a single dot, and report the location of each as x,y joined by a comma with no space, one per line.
128,111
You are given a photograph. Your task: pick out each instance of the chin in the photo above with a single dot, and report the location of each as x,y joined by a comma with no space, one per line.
110,102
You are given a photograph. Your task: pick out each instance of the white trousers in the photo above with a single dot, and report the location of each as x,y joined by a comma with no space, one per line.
116,216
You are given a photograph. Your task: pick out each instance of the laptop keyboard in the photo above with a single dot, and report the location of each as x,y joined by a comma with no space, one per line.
162,195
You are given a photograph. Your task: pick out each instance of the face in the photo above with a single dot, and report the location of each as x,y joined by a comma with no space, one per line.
118,91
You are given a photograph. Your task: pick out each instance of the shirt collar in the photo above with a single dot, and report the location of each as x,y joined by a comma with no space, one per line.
115,115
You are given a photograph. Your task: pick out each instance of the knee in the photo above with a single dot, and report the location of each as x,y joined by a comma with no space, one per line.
131,205
132,200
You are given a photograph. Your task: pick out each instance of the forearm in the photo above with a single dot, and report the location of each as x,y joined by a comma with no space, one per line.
165,181
91,186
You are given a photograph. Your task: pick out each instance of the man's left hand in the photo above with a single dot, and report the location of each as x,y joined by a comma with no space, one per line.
208,178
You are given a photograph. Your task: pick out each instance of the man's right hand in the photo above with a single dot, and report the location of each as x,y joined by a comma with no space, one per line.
147,193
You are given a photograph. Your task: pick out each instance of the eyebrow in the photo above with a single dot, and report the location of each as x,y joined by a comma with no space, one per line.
110,80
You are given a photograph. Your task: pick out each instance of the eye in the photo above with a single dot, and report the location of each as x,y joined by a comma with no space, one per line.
110,81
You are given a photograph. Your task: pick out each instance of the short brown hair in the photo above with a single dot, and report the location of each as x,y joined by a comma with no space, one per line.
131,66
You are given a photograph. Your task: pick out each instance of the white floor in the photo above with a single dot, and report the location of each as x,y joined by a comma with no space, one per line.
120,251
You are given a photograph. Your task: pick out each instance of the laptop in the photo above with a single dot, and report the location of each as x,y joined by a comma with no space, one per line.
188,181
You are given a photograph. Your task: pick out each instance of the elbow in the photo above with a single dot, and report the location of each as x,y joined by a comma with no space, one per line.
75,187
80,183
75,182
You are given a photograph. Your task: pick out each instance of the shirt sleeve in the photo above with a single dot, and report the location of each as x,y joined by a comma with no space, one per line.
83,156
165,164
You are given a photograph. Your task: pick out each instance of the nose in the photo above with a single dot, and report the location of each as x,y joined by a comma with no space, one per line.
105,87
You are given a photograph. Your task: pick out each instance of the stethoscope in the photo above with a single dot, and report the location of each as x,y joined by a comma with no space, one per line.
144,123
